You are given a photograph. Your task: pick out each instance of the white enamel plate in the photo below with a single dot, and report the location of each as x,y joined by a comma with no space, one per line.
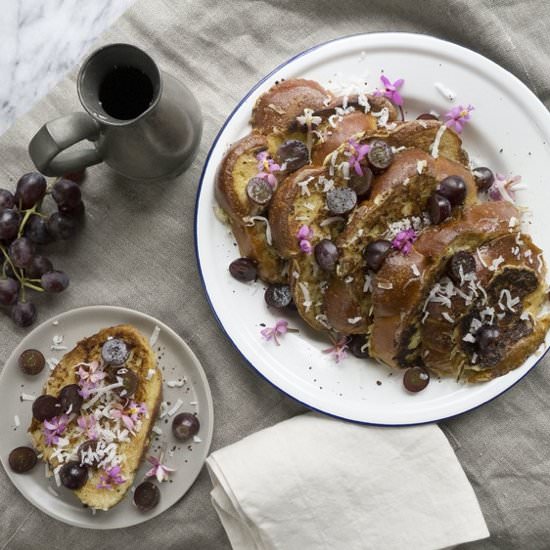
505,109
177,363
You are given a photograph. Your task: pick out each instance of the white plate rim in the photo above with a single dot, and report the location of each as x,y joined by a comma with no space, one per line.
207,441
535,103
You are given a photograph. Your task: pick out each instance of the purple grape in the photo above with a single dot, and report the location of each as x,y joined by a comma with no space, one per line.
36,230
21,251
23,314
146,496
416,379
61,226
9,224
32,362
484,178
22,459
73,475
54,281
294,153
38,266
341,200
7,200
244,269
427,116
185,425
375,253
30,189
453,188
74,212
278,296
66,193
380,155
9,289
326,255
488,339
45,406
439,208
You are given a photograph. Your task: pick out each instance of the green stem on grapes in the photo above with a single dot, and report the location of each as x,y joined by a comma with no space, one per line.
27,284
8,260
28,214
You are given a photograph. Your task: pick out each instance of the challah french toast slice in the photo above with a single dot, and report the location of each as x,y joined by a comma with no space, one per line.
403,283
276,110
398,199
402,191
113,420
300,201
470,285
346,117
246,218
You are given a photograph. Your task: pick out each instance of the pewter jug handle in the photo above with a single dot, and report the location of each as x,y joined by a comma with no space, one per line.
50,150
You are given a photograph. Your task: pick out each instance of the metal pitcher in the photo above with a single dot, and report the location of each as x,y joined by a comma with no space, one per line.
149,131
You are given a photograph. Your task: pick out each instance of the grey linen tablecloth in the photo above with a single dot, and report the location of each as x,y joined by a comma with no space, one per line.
137,250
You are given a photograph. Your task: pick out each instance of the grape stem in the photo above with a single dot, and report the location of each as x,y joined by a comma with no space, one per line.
28,214
19,275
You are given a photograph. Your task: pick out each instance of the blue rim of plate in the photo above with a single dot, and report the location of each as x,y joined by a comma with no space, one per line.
197,255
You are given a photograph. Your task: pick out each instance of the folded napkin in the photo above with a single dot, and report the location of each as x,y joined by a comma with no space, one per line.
313,482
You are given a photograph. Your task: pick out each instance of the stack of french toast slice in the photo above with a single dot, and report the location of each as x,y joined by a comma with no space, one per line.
383,233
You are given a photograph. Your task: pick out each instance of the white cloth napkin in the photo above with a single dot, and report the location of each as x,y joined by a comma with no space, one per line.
313,482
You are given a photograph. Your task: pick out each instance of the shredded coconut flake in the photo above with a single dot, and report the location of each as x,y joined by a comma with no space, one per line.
307,303
249,221
469,338
434,150
176,383
447,317
197,439
420,166
414,269
27,397
157,430
150,374
175,408
154,336
385,285
446,92
16,421
495,263
354,320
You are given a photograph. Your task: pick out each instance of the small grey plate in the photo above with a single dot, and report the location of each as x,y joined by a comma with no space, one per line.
177,362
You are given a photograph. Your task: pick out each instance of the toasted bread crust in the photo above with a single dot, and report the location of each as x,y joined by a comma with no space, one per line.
276,110
441,340
396,310
142,359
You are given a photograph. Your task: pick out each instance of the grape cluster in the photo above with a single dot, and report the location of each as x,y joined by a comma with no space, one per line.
24,229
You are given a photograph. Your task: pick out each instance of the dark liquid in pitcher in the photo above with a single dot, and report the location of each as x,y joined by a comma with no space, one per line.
125,93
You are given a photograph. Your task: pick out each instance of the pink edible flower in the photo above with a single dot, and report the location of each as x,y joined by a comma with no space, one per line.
304,236
90,374
403,240
339,349
504,188
87,423
53,428
281,327
86,389
266,167
111,476
391,90
358,153
457,117
159,470
128,415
